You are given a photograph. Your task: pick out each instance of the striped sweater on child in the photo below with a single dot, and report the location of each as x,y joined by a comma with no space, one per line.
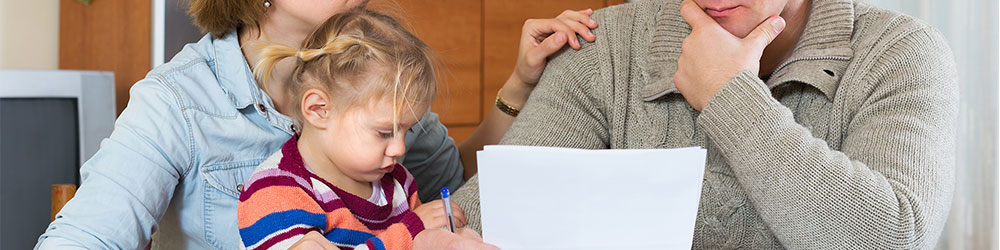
284,200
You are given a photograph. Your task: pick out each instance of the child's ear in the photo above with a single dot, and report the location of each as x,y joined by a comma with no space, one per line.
316,108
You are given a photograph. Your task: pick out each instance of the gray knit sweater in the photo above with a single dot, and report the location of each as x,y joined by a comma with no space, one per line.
850,144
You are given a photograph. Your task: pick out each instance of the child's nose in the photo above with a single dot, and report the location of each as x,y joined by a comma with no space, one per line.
396,148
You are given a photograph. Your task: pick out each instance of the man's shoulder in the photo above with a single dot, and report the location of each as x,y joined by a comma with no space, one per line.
621,29
878,29
894,51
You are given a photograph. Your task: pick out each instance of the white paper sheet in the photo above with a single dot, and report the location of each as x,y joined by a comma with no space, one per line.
560,198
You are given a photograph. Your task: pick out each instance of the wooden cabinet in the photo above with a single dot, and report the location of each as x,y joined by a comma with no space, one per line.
476,41
107,35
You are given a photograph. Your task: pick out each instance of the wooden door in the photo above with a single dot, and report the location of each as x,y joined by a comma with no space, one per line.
108,36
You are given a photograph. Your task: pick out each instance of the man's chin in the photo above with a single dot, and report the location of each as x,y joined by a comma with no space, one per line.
735,28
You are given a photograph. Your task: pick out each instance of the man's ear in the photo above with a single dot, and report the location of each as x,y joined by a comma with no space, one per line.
316,108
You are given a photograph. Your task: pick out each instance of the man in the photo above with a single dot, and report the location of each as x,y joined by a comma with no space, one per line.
828,123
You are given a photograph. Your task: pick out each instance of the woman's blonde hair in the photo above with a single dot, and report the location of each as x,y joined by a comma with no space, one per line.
358,57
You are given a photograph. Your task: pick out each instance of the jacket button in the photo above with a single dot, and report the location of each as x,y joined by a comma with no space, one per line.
239,188
262,108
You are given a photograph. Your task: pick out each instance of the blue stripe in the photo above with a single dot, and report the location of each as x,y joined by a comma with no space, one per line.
348,237
279,221
377,243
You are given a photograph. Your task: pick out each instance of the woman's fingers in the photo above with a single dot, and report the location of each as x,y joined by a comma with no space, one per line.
540,38
579,23
580,16
536,57
547,28
578,28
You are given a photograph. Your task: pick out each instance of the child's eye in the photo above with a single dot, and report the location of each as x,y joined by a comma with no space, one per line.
385,134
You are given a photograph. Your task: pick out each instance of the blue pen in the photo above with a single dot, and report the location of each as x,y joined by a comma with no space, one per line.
447,208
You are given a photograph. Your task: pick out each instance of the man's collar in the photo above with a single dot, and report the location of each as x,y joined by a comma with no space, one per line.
820,58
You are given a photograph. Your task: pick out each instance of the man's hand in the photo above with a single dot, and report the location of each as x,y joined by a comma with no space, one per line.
433,216
442,239
711,56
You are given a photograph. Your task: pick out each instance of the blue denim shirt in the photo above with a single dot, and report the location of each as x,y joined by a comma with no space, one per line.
193,131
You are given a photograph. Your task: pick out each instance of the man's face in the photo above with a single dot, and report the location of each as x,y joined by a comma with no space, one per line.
740,17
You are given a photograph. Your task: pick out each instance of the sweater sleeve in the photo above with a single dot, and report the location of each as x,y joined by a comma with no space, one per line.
277,216
275,213
890,184
348,231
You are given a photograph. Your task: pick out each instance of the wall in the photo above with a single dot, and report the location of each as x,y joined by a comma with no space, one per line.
29,34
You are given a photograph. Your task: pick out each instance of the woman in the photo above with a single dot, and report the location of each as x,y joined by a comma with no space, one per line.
196,127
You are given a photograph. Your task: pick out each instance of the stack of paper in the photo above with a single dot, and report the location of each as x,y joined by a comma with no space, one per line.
560,198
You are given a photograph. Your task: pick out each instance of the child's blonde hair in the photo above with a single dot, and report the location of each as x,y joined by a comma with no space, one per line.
356,57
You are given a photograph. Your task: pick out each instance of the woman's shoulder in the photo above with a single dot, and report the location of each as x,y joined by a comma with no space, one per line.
192,77
192,55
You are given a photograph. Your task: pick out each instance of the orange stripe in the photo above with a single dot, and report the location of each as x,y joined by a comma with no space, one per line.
274,199
343,218
414,201
396,237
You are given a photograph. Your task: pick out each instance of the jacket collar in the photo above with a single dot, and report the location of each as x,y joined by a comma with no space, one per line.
819,60
234,73
235,78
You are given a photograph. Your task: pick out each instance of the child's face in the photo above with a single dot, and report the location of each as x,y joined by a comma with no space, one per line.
361,144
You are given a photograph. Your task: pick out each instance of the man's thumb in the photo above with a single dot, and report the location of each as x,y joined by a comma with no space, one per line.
767,31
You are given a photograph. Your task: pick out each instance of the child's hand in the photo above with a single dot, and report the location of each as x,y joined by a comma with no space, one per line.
541,38
433,216
313,241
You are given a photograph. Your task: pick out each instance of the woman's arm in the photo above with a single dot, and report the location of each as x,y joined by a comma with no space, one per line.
539,40
130,180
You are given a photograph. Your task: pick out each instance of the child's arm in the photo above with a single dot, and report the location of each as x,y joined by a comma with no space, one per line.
277,216
349,232
397,236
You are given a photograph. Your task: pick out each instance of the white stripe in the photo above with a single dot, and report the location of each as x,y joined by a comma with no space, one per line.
287,243
276,233
363,246
399,195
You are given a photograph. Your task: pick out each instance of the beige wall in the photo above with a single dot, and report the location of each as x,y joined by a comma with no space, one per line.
29,34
